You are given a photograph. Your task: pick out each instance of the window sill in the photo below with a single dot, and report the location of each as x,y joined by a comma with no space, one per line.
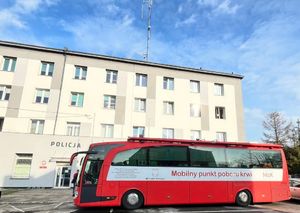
46,75
39,103
19,178
78,79
109,108
76,106
7,70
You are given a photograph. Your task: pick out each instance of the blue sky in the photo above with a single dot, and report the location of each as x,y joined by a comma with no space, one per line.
259,39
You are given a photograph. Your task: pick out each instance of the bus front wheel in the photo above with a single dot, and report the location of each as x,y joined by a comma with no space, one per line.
132,199
243,198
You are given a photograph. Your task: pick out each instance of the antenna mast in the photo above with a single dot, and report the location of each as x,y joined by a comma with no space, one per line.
149,4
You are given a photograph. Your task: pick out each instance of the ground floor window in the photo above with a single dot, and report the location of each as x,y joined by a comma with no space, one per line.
22,165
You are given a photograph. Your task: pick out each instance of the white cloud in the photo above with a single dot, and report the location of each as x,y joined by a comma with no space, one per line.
190,20
227,8
112,37
13,16
180,8
8,18
220,6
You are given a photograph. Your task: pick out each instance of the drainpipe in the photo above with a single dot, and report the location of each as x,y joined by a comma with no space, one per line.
65,51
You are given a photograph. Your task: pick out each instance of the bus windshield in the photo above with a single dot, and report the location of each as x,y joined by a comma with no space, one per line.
94,163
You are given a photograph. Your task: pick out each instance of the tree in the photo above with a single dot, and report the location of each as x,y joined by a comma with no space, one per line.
277,129
293,159
295,134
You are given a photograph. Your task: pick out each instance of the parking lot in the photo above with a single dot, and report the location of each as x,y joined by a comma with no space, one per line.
58,200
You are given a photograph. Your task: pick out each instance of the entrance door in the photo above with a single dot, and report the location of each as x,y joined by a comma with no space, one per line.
63,177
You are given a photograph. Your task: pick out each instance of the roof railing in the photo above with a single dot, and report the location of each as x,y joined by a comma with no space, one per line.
193,142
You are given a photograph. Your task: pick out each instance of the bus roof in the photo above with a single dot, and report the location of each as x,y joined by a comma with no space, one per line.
192,142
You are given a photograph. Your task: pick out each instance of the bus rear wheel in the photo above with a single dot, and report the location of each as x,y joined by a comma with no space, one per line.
132,199
243,198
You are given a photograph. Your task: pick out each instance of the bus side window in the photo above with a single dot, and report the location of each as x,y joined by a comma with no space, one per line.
168,156
207,157
132,157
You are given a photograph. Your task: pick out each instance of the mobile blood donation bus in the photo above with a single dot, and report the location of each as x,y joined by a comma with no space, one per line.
154,171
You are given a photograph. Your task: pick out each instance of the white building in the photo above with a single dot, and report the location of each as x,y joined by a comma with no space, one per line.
54,102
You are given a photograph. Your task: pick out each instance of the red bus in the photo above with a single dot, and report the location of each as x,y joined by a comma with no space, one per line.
153,171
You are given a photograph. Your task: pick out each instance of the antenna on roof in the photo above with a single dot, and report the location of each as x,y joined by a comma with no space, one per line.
149,5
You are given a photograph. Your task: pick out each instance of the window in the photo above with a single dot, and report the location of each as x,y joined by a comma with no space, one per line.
168,133
47,68
77,99
195,110
107,130
221,136
168,156
1,123
207,157
42,96
73,128
111,76
9,64
220,112
195,134
80,72
195,86
238,158
219,89
140,105
168,108
4,92
109,101
132,157
266,159
22,166
37,126
168,83
138,131
140,80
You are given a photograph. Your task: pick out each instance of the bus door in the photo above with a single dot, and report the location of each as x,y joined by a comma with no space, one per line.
162,161
91,171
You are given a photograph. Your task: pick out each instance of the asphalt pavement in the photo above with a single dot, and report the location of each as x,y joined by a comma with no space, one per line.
60,200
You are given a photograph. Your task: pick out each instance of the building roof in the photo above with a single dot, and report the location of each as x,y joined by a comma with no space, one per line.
117,59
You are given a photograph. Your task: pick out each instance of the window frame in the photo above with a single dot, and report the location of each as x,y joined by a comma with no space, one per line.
82,72
78,102
168,83
44,98
192,88
111,101
73,128
138,132
12,62
218,89
22,156
140,104
141,80
224,136
168,108
107,130
111,76
218,114
37,126
193,110
49,70
167,131
6,90
192,135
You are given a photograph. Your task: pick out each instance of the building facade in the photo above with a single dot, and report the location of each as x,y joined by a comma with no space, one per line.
54,102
